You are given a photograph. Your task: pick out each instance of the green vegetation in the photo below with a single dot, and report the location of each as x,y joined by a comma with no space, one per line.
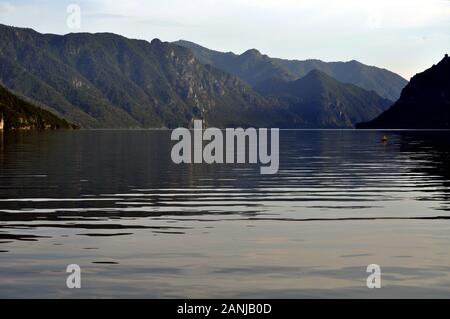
108,81
18,114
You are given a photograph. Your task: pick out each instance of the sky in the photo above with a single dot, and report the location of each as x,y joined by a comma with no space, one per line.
405,36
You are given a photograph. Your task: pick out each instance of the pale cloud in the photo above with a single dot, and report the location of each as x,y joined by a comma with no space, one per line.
23,13
410,13
6,7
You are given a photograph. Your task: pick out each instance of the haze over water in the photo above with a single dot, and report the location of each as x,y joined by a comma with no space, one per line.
140,226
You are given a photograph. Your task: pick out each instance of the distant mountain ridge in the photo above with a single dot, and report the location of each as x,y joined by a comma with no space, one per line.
251,66
424,103
254,67
108,81
18,114
318,100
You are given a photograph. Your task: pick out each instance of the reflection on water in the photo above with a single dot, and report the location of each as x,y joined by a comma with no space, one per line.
141,226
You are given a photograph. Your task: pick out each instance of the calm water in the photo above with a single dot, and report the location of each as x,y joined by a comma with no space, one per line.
140,226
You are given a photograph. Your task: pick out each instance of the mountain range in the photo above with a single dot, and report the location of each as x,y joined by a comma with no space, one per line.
254,68
108,81
424,103
318,100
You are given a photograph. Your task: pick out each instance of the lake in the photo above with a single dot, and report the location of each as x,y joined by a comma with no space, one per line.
140,226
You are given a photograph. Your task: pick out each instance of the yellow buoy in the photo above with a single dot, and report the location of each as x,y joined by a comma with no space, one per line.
385,139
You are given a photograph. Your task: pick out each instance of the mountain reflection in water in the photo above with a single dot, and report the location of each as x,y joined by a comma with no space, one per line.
140,226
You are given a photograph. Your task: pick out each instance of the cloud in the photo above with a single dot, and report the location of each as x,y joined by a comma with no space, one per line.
6,7
409,13
24,13
137,20
106,16
386,33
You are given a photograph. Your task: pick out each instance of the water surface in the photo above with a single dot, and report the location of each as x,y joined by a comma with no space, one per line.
140,226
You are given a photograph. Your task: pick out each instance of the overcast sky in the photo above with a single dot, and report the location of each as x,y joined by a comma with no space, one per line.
405,36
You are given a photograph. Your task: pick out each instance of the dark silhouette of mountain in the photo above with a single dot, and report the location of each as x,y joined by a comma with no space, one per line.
424,103
318,100
18,114
108,81
254,67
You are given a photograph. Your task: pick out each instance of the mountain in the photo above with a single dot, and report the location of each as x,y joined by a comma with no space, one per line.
254,67
318,100
108,81
424,103
251,66
18,114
